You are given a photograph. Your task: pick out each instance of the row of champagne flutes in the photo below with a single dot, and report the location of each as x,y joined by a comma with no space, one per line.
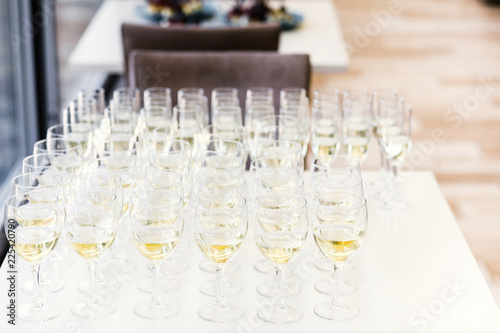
97,167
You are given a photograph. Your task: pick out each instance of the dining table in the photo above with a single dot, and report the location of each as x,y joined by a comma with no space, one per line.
319,34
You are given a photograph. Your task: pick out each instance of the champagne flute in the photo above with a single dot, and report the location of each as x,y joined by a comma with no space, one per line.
280,230
219,232
396,142
382,98
91,224
156,224
325,129
252,115
339,228
357,123
32,225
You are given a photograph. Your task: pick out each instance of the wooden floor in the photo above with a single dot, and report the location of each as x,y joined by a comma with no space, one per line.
444,57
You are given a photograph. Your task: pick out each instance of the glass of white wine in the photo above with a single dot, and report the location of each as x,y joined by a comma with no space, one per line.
156,224
91,224
396,143
339,227
219,231
327,183
32,225
357,123
326,132
272,128
280,230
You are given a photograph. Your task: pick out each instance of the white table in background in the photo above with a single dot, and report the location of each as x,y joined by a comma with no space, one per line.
100,47
414,272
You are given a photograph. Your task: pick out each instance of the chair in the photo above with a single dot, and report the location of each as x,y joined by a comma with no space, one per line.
209,70
260,37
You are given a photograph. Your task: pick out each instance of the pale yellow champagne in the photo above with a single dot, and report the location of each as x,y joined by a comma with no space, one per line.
155,121
338,241
91,242
325,146
36,214
156,243
356,147
35,243
397,148
280,247
219,245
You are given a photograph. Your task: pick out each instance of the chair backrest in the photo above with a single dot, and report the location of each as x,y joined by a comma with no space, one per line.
209,70
258,37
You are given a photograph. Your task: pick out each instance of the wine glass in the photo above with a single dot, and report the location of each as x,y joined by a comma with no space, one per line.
158,97
380,99
32,225
357,123
31,185
219,231
339,228
274,128
91,225
326,132
280,231
55,163
329,183
164,141
252,115
220,189
395,139
156,224
107,181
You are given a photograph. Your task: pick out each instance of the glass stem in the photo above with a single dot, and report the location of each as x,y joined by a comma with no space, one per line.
156,283
221,302
280,295
91,267
37,300
336,300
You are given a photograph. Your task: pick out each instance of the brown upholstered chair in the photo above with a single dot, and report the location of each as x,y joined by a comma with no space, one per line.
259,37
209,70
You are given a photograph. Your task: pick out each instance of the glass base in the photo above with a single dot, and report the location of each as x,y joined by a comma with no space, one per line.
291,287
213,312
264,266
29,312
164,286
327,311
324,286
152,310
174,266
209,267
92,311
106,285
46,286
209,288
284,315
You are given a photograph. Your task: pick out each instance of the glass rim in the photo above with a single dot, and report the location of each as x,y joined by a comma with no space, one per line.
36,174
15,197
172,194
300,184
362,204
303,202
241,181
242,201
